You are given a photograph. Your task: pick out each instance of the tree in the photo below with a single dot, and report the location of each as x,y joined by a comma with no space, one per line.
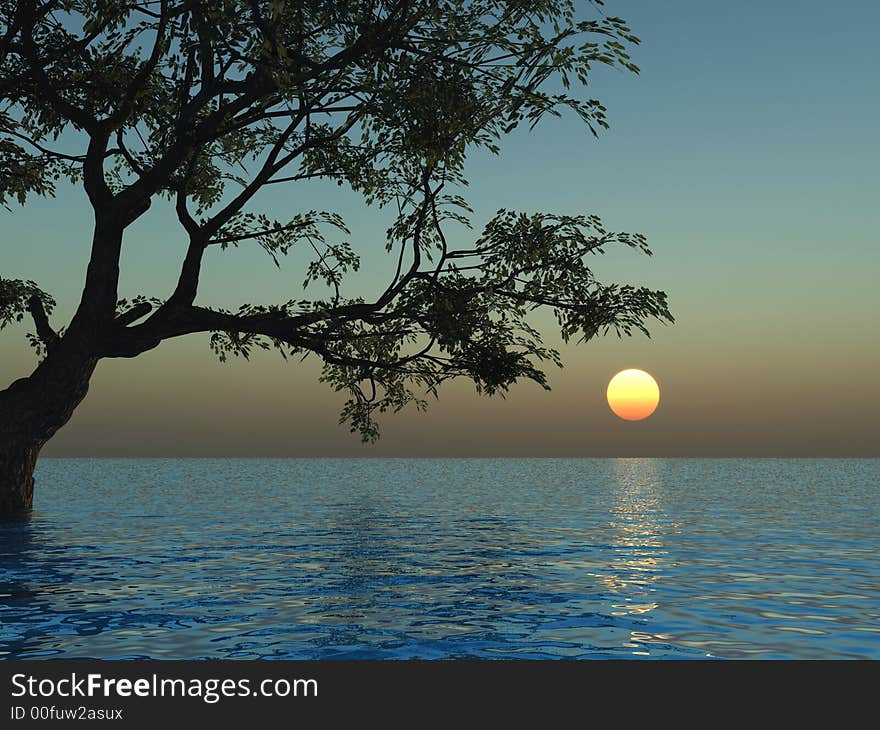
206,103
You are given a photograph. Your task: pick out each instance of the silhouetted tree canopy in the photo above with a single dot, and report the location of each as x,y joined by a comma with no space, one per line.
207,103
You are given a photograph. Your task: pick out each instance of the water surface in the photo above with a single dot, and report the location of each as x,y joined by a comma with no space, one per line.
470,558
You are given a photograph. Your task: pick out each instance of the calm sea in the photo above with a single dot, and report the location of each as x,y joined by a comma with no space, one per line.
453,558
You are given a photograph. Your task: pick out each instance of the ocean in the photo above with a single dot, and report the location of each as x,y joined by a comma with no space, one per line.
445,559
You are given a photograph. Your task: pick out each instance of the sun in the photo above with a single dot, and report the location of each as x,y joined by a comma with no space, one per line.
633,394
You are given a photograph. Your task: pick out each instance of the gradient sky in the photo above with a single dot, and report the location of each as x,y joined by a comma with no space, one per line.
746,151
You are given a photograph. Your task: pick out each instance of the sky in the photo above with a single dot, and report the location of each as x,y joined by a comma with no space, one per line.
745,151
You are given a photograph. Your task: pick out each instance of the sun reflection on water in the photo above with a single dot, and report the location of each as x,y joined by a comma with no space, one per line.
638,524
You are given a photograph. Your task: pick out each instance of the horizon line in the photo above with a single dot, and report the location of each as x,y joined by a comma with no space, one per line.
436,458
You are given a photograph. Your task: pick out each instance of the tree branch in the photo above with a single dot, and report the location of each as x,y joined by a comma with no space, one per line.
76,115
143,74
41,322
133,314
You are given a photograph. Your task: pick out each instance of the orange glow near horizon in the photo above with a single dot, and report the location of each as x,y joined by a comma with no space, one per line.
633,394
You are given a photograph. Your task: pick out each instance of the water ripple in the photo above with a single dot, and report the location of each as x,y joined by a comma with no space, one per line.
400,559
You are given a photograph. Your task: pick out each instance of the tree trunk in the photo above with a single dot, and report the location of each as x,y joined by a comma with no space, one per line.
17,463
31,411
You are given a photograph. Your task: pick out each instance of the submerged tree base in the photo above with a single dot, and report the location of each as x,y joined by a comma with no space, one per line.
17,480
